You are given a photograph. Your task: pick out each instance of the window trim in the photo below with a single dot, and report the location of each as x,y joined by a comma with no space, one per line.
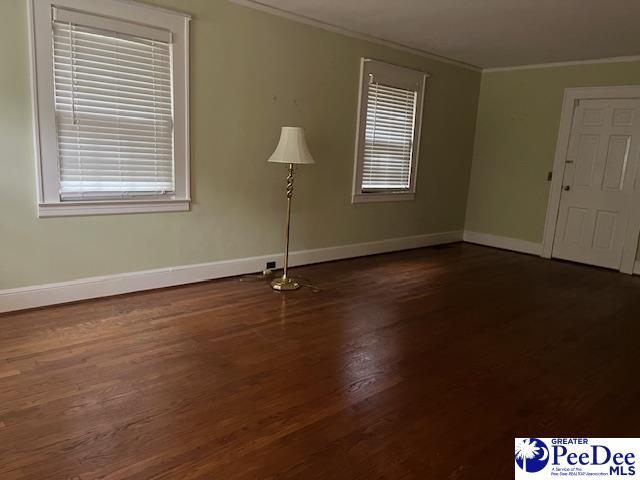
49,203
403,75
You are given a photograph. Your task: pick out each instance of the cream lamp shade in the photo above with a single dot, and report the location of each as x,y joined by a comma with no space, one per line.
292,147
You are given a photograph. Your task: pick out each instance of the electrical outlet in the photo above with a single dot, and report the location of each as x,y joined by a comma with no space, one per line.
271,265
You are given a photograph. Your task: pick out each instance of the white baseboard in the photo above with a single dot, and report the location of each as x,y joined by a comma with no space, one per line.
103,286
514,244
506,243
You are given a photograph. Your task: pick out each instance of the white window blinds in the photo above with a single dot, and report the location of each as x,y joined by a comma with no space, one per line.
114,107
389,136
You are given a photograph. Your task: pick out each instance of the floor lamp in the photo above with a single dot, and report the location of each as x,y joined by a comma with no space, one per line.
292,149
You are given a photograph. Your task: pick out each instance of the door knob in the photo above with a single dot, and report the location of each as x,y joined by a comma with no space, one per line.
566,188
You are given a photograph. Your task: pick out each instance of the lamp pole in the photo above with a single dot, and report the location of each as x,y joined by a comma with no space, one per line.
284,282
286,235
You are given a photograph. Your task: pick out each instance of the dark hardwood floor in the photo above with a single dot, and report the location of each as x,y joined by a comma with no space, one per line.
416,365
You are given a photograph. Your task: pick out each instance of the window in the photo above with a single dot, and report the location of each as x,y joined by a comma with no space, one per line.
111,89
389,120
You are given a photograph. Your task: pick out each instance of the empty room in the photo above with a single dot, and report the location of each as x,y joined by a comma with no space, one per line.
319,239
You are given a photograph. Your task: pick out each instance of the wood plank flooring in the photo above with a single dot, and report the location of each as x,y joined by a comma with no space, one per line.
415,365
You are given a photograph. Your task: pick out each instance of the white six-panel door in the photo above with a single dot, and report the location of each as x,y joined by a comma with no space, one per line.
598,182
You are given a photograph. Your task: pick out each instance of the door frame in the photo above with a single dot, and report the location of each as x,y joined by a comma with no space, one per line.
569,103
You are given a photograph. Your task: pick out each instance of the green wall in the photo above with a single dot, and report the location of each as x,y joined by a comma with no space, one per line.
516,131
251,72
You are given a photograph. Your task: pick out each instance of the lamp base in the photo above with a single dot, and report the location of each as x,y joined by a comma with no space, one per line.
284,283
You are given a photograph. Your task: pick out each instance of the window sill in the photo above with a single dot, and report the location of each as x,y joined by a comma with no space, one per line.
72,209
383,197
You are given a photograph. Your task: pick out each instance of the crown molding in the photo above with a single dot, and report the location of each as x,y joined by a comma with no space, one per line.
629,58
351,33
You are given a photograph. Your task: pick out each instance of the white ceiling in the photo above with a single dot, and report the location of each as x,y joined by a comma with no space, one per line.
488,33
